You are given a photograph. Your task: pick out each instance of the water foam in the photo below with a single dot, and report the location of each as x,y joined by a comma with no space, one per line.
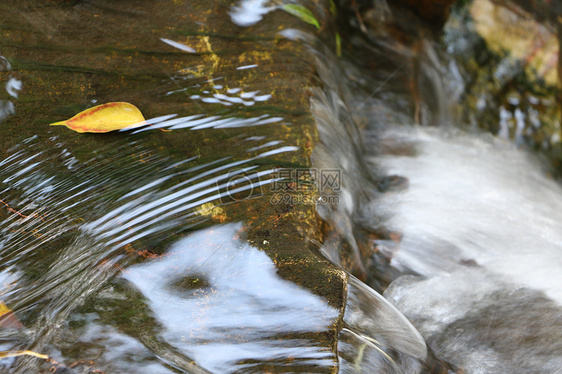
481,229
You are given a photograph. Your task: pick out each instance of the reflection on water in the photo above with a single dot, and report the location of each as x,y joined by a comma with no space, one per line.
138,217
179,46
245,98
68,226
199,121
249,12
12,86
112,346
221,302
228,96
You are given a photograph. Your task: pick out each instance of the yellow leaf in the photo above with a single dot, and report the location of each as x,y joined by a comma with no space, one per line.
4,354
3,309
105,118
7,318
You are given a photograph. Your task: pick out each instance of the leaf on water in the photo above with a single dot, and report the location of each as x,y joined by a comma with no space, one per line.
3,309
105,118
8,319
301,12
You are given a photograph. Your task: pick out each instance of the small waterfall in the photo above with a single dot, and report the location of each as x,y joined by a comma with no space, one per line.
481,236
470,240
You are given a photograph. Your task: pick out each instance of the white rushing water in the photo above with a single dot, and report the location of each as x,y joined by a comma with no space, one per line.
481,229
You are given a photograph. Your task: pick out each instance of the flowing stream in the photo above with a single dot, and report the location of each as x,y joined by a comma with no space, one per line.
151,251
481,234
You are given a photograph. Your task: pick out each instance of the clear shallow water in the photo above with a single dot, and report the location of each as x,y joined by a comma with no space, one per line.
228,311
151,251
71,231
